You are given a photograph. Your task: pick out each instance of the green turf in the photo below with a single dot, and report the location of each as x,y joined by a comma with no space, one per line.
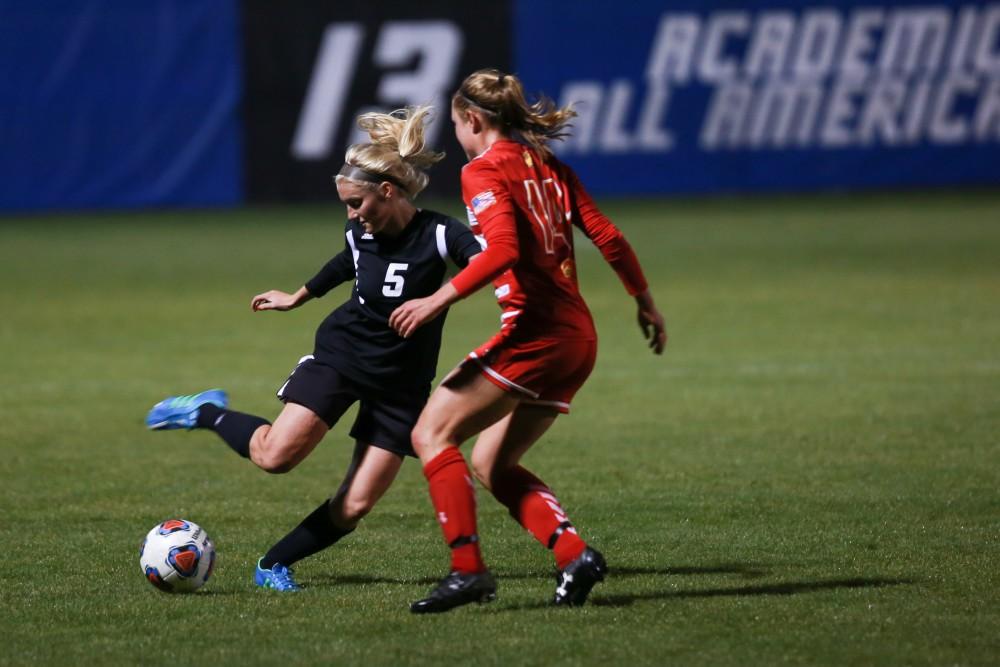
809,475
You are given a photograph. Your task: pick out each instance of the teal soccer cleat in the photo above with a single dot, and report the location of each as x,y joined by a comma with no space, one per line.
182,411
278,578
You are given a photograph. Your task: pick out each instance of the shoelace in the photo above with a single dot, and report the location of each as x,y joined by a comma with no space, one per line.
282,577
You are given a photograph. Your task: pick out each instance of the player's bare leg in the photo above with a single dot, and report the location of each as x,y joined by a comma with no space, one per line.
370,474
496,463
501,446
279,447
275,448
464,404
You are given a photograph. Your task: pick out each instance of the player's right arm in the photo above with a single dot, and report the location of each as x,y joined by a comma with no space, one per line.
278,300
484,190
486,195
338,270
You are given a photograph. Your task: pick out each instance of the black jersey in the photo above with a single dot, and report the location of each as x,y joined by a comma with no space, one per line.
356,338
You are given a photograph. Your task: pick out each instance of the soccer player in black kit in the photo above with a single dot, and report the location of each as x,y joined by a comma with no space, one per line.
393,252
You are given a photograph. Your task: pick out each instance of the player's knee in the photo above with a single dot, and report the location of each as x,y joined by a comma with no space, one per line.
424,442
355,508
489,467
483,469
431,437
276,464
274,457
346,511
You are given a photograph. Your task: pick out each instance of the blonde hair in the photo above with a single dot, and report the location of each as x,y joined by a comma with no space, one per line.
397,149
500,97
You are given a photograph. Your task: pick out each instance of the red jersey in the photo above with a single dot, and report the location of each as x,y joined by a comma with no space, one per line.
525,209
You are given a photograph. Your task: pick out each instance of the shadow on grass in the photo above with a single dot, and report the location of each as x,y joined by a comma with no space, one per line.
783,588
360,579
743,570
627,599
786,588
317,580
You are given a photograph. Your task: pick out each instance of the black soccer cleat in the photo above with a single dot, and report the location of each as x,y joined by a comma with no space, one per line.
457,589
573,584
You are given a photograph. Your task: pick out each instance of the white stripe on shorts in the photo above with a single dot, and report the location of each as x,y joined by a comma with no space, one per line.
493,374
281,392
555,404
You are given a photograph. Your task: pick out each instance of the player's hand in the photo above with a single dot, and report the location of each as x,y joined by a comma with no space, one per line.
654,329
413,314
274,300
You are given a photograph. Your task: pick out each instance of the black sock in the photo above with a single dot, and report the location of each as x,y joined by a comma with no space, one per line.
235,428
316,532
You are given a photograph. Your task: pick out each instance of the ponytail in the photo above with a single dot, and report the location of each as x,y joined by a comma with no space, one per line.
501,99
397,151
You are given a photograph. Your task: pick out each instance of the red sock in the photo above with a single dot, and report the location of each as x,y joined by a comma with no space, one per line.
534,506
454,498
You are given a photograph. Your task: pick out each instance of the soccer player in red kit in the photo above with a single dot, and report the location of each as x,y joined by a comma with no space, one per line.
524,202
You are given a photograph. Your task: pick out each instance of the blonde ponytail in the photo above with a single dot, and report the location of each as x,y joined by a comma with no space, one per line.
501,99
397,150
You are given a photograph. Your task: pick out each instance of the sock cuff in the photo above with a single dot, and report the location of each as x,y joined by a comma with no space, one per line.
449,456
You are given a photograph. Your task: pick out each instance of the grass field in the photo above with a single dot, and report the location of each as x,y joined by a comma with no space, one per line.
808,476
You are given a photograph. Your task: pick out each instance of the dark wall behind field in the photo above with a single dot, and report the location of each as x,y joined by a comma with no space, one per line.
311,67
118,104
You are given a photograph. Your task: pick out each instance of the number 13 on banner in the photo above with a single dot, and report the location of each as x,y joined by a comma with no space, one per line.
436,46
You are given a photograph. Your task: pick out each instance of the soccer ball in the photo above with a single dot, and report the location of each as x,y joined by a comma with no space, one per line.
177,556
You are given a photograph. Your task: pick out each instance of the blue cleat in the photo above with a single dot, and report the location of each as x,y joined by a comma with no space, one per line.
278,578
182,411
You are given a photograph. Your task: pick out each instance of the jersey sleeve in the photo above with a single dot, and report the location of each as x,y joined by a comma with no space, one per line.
485,193
609,240
338,270
461,243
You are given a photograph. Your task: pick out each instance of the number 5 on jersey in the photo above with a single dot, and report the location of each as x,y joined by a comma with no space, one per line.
394,280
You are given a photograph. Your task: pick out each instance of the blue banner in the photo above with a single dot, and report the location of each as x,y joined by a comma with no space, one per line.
117,103
769,96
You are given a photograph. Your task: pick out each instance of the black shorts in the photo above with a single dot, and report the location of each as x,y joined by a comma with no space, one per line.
384,420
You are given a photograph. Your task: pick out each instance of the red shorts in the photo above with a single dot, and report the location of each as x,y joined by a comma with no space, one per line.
545,371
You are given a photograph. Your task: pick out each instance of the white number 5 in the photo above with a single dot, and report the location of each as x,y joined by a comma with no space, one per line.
393,282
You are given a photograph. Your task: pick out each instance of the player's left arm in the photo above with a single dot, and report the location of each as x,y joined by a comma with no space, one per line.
618,253
651,322
615,248
461,243
485,193
500,254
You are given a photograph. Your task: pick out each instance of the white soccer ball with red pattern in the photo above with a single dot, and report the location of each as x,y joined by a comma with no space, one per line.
177,556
